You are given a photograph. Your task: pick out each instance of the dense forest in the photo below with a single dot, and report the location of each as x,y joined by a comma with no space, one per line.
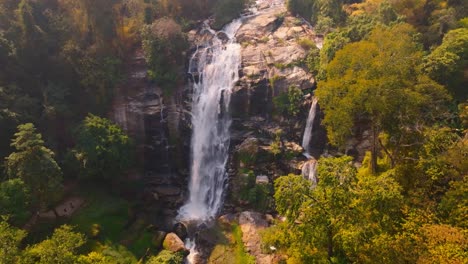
395,69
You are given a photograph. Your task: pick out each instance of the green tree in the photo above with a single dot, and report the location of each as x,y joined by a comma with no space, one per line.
369,81
453,208
61,248
227,10
164,45
14,200
448,63
10,240
35,165
339,219
315,217
103,150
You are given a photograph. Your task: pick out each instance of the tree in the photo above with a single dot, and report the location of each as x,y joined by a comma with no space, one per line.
448,63
103,150
61,248
315,217
453,208
10,239
14,200
369,81
340,219
34,164
164,45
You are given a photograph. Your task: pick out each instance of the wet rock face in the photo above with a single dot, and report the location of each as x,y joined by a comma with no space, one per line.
158,124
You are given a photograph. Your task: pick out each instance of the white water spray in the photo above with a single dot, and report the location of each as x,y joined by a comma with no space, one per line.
217,65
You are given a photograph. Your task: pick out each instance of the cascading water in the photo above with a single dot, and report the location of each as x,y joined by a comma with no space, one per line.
217,66
309,127
309,171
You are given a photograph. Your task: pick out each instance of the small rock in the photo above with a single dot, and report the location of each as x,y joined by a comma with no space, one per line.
270,219
262,179
173,243
227,219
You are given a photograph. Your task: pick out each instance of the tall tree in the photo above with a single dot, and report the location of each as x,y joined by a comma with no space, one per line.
103,149
33,163
377,81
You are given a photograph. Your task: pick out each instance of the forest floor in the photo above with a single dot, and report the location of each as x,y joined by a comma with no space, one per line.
100,215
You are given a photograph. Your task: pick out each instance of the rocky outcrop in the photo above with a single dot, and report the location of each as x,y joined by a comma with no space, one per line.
272,60
158,123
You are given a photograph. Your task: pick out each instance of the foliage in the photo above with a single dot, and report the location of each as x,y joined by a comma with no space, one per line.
338,219
449,61
14,200
34,164
454,205
164,44
313,60
257,195
103,150
371,79
62,247
276,144
227,10
10,240
167,257
314,9
306,43
289,104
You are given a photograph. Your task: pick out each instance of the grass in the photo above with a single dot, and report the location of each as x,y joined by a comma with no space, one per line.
109,212
241,254
230,247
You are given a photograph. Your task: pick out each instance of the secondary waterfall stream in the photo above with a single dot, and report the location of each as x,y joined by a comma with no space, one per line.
309,127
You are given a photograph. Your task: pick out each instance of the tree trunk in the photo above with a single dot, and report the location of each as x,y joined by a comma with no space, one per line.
330,243
374,149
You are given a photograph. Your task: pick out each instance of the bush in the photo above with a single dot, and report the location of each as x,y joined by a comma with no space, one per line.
167,257
306,43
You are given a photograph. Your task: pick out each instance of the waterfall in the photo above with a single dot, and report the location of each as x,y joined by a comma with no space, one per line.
215,68
309,171
309,127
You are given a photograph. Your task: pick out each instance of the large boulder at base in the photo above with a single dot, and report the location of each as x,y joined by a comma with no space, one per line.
173,243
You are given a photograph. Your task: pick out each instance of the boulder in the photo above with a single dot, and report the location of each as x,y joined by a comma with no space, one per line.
262,179
173,243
